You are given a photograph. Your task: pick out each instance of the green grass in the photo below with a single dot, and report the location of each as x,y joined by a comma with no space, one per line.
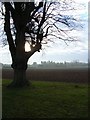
45,100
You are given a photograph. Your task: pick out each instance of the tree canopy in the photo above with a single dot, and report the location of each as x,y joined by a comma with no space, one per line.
42,21
35,22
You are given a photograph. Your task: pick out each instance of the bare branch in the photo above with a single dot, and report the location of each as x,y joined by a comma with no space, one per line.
41,21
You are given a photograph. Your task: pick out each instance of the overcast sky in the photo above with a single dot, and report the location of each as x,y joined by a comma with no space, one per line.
59,51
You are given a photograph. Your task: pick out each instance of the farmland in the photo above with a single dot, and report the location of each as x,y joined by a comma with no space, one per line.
60,75
54,93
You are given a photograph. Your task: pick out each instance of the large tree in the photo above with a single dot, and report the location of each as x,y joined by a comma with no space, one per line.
35,23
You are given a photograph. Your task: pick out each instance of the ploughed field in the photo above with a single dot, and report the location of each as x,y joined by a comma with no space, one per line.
62,75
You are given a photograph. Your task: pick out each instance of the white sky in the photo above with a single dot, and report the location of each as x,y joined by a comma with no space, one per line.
59,52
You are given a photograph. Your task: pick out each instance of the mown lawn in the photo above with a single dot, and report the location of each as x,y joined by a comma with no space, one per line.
45,100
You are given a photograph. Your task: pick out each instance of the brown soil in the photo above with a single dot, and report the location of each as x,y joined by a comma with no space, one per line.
71,75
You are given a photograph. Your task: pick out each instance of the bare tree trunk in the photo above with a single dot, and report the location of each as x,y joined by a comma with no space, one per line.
19,79
19,66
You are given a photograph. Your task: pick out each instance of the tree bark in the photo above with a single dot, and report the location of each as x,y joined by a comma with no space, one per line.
19,79
19,66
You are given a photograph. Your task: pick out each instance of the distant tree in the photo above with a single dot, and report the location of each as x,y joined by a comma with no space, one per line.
35,23
34,63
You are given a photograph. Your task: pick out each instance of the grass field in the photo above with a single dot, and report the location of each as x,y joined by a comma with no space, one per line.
45,100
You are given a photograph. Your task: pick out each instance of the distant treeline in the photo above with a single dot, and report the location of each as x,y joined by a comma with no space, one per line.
53,65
